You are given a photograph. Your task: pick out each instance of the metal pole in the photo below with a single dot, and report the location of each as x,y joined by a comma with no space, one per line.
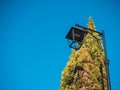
106,62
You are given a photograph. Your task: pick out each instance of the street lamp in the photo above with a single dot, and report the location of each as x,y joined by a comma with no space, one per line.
76,37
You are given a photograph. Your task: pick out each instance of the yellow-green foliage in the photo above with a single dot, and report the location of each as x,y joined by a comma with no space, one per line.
83,70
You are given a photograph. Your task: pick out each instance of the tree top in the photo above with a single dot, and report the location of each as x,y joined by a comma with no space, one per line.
91,23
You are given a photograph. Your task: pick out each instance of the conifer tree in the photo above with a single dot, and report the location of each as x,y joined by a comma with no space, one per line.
85,69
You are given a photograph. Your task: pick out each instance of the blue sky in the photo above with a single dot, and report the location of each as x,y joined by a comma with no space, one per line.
33,49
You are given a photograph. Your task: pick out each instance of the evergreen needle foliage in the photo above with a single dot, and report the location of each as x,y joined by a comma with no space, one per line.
85,69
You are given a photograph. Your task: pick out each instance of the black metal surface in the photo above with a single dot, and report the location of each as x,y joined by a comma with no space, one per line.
88,29
106,61
77,36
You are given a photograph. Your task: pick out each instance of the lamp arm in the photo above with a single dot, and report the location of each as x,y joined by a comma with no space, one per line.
88,29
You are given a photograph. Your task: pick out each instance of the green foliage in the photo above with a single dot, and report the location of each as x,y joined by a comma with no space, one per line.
86,69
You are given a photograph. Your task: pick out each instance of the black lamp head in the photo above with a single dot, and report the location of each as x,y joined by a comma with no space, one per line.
76,35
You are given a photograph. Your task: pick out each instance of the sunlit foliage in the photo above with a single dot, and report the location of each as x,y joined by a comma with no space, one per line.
85,69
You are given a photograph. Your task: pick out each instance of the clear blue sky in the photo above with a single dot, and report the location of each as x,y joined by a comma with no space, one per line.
33,50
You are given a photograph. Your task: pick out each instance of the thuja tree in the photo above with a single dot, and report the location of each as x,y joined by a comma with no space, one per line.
85,69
